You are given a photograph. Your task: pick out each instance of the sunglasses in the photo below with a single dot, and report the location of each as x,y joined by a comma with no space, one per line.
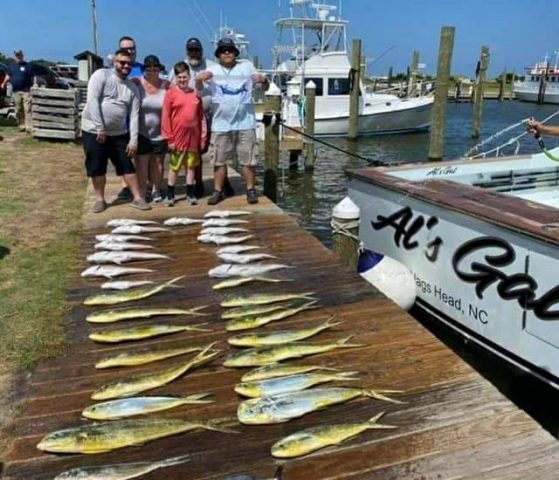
124,63
193,49
130,49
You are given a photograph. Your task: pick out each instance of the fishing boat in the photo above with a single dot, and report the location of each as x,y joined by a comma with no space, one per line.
481,238
529,89
314,48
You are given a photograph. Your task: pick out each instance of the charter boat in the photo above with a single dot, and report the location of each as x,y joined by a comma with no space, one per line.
481,238
314,48
529,89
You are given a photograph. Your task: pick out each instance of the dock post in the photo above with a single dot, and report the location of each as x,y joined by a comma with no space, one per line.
310,94
412,85
480,86
543,80
345,232
271,143
511,91
502,86
436,142
389,78
354,86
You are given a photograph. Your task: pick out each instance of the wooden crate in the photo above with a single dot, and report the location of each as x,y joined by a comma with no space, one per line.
55,113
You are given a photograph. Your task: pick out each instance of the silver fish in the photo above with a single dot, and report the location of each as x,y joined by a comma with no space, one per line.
222,230
121,257
235,282
109,237
244,258
222,222
125,284
175,221
227,270
111,271
119,222
121,246
120,471
223,239
237,248
135,229
226,213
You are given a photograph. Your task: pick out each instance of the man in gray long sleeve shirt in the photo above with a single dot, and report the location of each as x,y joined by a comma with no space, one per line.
111,99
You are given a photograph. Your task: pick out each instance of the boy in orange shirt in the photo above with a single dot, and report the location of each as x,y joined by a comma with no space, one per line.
184,127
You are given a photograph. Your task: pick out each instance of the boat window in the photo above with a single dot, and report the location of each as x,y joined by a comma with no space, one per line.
338,86
319,85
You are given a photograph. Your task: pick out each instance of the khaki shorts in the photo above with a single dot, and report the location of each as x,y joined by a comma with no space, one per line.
188,159
225,147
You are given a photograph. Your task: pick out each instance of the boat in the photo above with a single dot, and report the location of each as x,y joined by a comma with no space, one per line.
481,238
314,48
529,89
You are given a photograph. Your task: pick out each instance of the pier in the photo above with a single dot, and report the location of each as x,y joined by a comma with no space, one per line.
453,424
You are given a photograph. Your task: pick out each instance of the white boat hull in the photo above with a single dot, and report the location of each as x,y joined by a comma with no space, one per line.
528,94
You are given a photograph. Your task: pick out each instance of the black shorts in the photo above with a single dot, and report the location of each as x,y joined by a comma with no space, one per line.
98,154
147,146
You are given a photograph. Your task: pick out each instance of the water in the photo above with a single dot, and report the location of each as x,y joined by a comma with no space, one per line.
311,197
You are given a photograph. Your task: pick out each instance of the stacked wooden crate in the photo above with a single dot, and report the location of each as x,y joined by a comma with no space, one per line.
55,113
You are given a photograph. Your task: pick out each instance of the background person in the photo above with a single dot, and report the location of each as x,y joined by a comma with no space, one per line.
111,100
20,74
152,147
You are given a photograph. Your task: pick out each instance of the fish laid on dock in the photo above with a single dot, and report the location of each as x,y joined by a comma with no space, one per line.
235,282
135,358
135,229
111,298
281,370
122,257
292,383
314,438
222,222
125,284
111,271
278,337
110,237
121,246
226,213
223,239
264,298
143,332
222,230
119,222
244,258
120,471
253,310
256,321
106,436
237,248
130,407
176,221
286,406
259,356
141,383
228,270
116,315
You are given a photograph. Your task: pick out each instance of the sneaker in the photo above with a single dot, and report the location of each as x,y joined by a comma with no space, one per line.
191,199
99,206
216,197
140,204
148,197
124,195
251,196
158,196
228,189
170,201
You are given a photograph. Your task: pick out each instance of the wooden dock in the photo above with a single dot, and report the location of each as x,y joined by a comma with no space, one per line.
454,423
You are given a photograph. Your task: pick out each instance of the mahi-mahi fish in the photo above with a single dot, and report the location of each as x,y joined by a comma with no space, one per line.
111,298
121,246
281,370
222,222
226,213
135,229
235,282
125,284
314,438
228,270
119,222
244,258
111,271
142,332
222,239
116,315
106,436
109,237
122,257
175,221
141,357
264,298
246,323
285,406
120,471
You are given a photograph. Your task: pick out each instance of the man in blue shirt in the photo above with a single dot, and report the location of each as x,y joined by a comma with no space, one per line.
20,75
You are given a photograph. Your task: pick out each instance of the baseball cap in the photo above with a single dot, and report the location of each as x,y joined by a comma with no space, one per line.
193,43
18,53
153,61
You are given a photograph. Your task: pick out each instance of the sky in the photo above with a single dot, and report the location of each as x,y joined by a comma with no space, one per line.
518,32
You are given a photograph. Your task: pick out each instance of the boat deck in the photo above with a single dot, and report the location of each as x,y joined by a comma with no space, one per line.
454,423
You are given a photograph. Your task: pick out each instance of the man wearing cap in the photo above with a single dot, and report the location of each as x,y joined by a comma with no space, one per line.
20,75
233,130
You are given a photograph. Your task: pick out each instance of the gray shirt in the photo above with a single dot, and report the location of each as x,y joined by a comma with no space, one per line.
150,114
110,102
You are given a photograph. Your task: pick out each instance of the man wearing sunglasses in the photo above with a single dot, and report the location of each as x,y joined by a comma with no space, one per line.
112,99
233,131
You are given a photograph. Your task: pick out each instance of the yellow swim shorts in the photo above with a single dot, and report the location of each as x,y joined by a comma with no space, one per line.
188,159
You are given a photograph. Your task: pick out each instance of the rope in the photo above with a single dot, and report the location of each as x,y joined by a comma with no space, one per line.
343,228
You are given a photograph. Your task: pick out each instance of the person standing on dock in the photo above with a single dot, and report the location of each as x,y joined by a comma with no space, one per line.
20,75
233,131
112,99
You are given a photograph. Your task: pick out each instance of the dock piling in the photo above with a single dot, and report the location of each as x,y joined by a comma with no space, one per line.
354,86
502,86
412,84
310,94
480,86
543,81
271,144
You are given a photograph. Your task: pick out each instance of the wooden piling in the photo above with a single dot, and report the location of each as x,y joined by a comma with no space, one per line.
543,81
446,47
480,85
502,86
310,94
355,75
389,78
271,145
412,84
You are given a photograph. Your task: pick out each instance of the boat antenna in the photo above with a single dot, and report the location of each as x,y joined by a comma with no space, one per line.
374,59
94,19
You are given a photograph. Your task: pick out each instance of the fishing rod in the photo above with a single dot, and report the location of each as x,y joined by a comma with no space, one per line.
541,143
